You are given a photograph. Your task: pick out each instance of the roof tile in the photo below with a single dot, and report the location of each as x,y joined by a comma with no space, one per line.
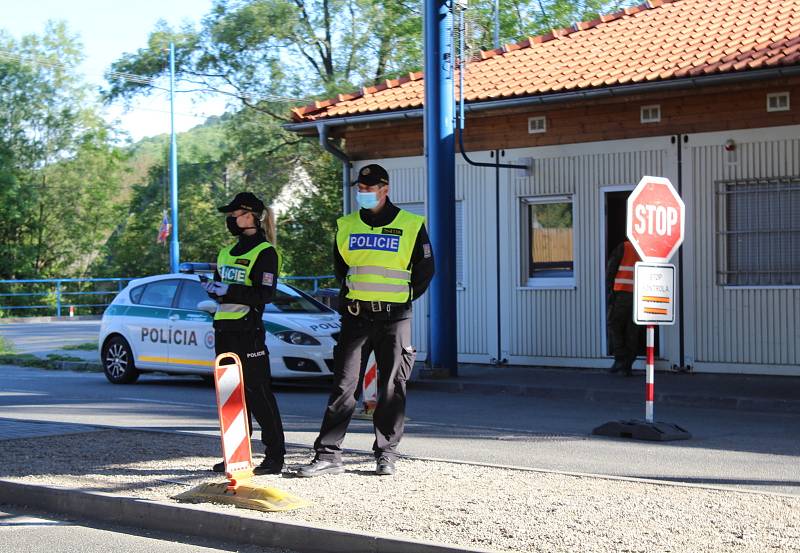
657,40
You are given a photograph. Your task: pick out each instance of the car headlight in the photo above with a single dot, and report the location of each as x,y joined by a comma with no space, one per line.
297,338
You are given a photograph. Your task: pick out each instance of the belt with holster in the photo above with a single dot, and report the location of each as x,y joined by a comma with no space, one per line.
360,307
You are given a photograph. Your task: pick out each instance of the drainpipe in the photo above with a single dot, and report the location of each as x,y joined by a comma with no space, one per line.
322,130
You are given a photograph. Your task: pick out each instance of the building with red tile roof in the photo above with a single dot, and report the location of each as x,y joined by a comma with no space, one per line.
702,92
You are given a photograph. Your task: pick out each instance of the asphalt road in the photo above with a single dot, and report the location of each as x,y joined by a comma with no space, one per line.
729,448
23,530
46,337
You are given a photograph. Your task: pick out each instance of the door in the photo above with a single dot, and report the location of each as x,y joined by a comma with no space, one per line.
615,214
191,331
148,324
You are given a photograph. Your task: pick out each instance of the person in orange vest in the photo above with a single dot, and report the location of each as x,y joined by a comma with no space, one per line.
624,333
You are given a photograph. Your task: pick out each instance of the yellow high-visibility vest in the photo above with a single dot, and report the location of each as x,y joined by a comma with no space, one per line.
379,258
236,269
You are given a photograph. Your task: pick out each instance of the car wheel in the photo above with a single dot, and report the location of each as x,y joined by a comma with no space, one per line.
118,363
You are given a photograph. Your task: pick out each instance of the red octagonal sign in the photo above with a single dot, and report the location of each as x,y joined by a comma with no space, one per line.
655,219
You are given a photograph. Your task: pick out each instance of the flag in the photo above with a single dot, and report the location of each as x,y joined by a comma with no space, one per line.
163,231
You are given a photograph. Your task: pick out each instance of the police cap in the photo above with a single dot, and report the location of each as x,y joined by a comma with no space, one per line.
372,175
244,200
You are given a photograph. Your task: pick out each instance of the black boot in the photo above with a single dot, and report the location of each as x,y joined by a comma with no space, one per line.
269,466
616,367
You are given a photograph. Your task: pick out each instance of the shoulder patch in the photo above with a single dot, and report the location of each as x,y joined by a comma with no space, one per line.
243,262
267,279
426,250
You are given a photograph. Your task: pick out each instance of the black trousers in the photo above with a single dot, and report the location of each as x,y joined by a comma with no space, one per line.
261,402
625,334
391,342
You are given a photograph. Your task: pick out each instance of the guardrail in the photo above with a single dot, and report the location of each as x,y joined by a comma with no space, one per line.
329,279
68,295
54,294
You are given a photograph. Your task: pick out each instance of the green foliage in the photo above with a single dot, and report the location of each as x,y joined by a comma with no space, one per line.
305,234
58,169
6,346
88,346
73,202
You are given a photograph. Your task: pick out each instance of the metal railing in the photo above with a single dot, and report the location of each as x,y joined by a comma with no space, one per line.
330,280
91,295
58,294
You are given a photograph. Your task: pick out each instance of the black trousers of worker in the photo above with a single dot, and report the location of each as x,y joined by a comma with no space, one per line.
261,403
394,354
625,334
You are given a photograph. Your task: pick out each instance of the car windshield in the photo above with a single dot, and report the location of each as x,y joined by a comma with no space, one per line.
291,300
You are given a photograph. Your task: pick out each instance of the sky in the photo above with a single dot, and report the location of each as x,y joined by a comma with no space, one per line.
108,29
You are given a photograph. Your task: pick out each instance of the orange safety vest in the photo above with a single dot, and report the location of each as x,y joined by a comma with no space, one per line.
623,282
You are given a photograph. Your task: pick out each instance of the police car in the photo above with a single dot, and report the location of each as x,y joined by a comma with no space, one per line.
164,323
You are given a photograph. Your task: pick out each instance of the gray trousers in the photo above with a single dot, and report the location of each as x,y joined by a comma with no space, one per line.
391,342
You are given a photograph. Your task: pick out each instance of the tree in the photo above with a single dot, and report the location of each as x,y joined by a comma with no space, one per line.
60,170
274,54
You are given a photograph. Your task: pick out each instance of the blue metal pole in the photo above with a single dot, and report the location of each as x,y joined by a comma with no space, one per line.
174,250
440,161
58,298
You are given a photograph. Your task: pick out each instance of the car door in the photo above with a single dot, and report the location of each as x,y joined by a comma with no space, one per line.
148,324
192,338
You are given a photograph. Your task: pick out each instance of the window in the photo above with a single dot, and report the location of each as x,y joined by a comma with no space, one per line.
778,102
159,293
136,294
291,300
651,114
537,125
419,209
550,252
758,233
191,294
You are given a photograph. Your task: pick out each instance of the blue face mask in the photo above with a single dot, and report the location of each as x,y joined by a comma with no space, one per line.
367,200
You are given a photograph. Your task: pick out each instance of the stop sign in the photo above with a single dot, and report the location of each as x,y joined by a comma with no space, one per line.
655,219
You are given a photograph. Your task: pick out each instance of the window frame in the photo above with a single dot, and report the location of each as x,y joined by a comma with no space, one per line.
545,283
177,282
722,231
185,283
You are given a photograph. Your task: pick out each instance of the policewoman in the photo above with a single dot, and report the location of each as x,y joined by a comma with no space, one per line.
383,258
245,280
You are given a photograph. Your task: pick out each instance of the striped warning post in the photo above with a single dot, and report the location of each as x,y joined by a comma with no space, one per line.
649,393
370,392
233,421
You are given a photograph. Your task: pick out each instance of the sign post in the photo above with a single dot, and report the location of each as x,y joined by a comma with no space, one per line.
655,226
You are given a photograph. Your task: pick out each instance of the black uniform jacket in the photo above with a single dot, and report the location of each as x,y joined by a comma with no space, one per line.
422,265
264,276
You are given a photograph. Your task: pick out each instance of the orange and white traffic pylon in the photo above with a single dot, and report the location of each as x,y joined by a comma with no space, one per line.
239,490
369,395
233,418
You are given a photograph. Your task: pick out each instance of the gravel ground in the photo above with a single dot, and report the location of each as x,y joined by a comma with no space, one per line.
456,504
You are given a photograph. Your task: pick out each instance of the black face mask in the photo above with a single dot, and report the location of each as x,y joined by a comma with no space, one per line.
233,228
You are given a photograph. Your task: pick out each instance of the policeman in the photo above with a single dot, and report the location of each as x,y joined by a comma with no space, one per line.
383,258
625,334
245,280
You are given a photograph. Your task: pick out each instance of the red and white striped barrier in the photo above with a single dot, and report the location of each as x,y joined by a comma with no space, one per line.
649,387
370,387
233,422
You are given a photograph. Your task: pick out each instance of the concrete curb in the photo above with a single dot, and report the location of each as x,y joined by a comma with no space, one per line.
78,366
189,519
617,396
